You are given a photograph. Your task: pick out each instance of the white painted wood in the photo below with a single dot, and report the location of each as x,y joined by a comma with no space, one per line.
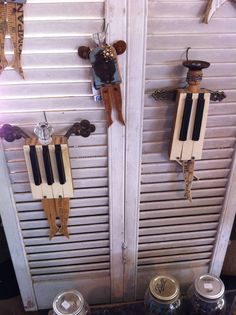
226,223
94,285
60,10
89,217
69,246
161,240
137,19
116,13
14,238
169,29
65,254
178,245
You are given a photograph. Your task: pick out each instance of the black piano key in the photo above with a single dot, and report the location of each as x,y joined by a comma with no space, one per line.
60,164
198,117
35,165
47,165
186,117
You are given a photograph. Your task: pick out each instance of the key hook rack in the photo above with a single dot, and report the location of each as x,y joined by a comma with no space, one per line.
11,133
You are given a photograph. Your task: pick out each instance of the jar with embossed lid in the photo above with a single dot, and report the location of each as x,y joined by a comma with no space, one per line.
70,302
206,296
163,297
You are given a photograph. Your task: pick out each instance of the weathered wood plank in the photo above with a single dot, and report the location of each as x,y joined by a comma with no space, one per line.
175,204
60,10
176,236
68,253
147,247
76,245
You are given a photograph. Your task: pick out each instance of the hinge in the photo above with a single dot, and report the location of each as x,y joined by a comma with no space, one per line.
124,252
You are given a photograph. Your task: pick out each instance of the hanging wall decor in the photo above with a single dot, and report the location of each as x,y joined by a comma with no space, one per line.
211,8
190,119
48,165
12,23
105,72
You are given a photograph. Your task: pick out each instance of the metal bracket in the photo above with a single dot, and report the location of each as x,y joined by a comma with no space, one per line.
171,95
83,128
11,133
165,94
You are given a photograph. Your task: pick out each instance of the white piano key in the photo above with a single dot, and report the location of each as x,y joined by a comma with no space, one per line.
176,145
68,186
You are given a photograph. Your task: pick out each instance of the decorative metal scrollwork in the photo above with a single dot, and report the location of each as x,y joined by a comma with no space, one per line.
84,129
11,133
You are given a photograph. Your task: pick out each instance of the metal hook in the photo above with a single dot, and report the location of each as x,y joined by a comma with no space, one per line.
187,52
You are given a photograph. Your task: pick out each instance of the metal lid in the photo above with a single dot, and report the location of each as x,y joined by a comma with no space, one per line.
209,286
164,288
196,65
68,303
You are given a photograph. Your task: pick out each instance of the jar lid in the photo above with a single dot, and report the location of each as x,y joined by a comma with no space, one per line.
68,303
209,286
164,288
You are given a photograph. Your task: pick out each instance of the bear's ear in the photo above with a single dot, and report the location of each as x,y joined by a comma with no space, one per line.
84,52
120,47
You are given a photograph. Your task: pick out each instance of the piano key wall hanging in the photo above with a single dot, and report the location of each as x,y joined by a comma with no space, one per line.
190,119
105,72
48,165
12,23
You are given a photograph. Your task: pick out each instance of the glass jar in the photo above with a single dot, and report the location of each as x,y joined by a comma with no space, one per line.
70,303
163,297
206,296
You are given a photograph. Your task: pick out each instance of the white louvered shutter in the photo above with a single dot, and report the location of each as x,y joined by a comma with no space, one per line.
58,86
176,236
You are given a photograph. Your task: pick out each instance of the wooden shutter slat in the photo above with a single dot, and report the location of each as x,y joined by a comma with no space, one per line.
180,235
69,261
69,246
147,247
67,253
154,214
63,269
